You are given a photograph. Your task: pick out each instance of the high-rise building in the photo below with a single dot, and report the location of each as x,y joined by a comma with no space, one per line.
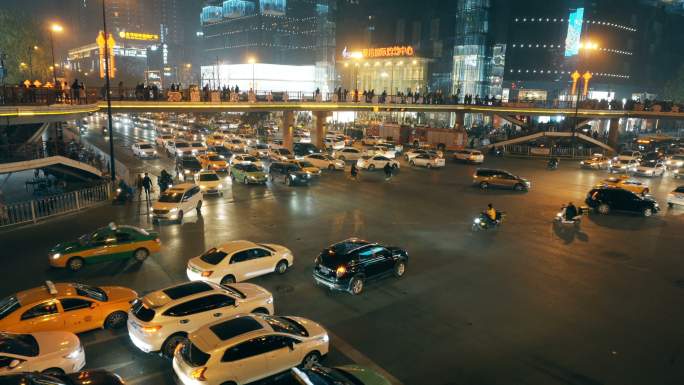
261,35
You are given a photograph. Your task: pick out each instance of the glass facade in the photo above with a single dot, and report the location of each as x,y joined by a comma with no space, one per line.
471,63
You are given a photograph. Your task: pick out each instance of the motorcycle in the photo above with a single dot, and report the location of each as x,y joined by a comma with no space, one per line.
483,222
123,195
561,220
552,165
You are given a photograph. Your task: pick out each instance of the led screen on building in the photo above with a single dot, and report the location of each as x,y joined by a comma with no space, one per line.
572,40
273,7
238,8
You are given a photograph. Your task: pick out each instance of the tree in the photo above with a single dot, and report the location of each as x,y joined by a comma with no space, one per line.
19,34
674,88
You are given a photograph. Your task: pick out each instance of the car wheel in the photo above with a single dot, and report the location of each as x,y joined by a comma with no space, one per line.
180,216
484,185
169,346
647,212
356,286
646,191
399,269
311,359
281,267
519,187
331,167
260,310
229,383
670,204
227,280
115,320
603,209
75,263
53,372
141,254
371,167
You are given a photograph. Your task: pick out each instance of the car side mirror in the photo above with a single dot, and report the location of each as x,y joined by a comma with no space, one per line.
14,363
291,345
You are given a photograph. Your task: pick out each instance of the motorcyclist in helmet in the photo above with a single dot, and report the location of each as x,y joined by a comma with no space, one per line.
570,212
491,214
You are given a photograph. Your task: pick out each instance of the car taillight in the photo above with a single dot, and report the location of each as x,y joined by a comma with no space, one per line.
198,374
207,273
341,271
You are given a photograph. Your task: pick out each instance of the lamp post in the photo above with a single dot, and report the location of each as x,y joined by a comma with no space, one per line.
30,61
54,28
112,166
252,61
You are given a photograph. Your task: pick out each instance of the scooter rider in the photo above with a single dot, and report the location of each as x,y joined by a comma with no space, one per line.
491,214
570,212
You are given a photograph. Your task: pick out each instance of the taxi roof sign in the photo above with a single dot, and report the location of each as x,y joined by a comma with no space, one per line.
52,289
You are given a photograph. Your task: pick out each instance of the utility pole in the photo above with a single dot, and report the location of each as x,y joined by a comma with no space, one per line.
112,166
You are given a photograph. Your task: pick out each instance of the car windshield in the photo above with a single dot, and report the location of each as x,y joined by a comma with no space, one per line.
250,168
145,146
191,163
294,167
649,163
626,153
249,159
678,157
679,189
208,177
262,146
215,158
93,292
18,344
285,325
181,145
197,144
8,305
170,197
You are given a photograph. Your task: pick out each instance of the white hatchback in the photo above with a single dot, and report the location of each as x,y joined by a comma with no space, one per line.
374,162
161,320
46,352
239,261
325,161
176,202
144,150
249,348
676,197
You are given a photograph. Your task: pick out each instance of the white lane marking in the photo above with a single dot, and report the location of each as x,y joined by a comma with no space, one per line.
143,379
361,359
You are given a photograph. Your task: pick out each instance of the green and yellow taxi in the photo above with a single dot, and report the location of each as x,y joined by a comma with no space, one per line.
247,173
108,243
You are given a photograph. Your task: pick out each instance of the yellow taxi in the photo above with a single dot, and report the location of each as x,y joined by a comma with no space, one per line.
216,140
71,307
105,244
307,167
627,183
213,161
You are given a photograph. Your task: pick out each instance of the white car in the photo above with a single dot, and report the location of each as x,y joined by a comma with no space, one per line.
301,139
676,197
371,163
469,156
325,162
628,155
162,140
260,150
197,148
410,154
247,159
162,319
427,160
371,140
209,182
334,143
239,261
625,166
280,155
144,150
47,352
348,153
382,150
675,161
176,202
182,148
248,348
651,168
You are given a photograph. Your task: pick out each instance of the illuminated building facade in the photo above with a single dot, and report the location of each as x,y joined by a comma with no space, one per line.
280,32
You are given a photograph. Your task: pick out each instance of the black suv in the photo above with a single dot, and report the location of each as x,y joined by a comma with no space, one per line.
188,166
347,265
289,173
304,149
607,199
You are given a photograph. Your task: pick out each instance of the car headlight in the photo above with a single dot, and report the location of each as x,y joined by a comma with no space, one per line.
477,220
186,171
325,338
293,176
220,185
56,255
269,300
74,355
252,177
173,210
154,152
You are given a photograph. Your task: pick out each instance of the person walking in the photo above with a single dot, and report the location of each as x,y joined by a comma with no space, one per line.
147,185
388,171
354,171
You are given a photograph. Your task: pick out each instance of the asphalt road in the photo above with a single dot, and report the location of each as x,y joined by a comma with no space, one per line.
520,305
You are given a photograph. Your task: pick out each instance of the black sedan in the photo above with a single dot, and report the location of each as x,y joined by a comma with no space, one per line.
288,173
349,264
86,377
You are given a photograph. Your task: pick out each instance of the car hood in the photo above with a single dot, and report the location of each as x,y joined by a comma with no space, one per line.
251,291
68,247
119,293
164,205
95,377
367,376
256,174
56,342
209,183
314,329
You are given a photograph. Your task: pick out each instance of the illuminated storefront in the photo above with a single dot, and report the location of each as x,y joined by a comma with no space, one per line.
263,77
383,69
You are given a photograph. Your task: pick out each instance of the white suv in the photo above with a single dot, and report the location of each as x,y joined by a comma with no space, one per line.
248,348
48,352
176,202
162,319
348,153
238,261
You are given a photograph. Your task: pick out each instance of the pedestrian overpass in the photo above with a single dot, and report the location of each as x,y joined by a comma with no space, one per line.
55,164
550,134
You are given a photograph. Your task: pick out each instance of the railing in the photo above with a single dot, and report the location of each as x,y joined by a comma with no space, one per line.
558,151
48,207
18,96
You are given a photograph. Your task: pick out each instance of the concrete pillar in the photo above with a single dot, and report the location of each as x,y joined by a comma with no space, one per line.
318,135
288,129
460,121
614,133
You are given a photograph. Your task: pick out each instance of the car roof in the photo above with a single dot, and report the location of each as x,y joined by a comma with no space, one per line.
233,246
42,293
228,332
183,292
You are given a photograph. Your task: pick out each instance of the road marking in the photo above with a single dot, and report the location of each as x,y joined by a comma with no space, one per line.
143,379
116,366
361,359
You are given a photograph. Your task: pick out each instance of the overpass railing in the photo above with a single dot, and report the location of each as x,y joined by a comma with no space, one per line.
48,207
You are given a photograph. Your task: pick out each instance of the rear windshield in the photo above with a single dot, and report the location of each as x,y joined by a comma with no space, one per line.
679,189
193,355
235,327
197,144
191,163
215,158
249,168
208,177
8,305
145,147
187,289
19,344
142,312
213,256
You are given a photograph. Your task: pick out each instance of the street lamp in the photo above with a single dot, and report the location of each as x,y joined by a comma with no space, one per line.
54,28
112,165
252,61
30,61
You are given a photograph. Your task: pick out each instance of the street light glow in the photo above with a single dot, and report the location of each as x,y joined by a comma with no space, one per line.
251,60
56,28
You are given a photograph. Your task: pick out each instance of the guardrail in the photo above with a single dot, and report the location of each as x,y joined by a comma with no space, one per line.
52,206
